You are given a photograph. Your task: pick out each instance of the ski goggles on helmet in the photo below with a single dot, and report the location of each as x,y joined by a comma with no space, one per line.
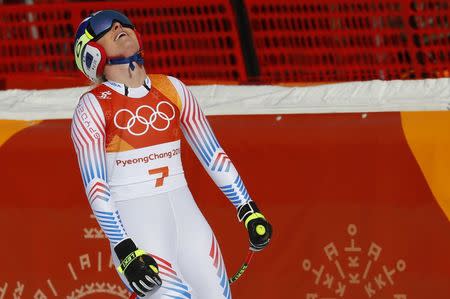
102,21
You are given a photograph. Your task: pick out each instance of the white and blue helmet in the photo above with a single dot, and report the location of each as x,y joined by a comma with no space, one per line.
90,57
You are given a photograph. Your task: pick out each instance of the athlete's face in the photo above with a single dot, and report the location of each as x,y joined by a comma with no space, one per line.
119,41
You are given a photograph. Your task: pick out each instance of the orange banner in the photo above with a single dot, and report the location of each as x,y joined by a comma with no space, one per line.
358,203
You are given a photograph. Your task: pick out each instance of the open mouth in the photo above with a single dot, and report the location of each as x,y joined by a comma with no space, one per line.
122,34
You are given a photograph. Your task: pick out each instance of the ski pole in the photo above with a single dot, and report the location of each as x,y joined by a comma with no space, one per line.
244,267
236,276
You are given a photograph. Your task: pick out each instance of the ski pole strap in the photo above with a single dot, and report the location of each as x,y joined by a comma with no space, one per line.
127,261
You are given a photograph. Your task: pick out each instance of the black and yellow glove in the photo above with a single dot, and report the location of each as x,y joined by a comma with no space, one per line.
140,269
259,229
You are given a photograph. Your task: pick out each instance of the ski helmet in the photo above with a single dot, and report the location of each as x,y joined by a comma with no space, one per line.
90,57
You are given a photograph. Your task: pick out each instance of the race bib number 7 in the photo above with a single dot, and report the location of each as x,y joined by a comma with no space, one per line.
164,171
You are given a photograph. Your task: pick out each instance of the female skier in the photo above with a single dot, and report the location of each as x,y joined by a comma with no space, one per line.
126,132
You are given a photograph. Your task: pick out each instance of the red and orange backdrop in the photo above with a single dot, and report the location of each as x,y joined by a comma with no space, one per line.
359,202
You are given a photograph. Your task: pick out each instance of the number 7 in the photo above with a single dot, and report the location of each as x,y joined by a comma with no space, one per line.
163,170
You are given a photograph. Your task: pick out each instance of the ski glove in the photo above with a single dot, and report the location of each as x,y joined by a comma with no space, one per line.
139,268
259,229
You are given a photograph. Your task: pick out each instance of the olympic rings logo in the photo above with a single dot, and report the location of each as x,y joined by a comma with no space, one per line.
134,118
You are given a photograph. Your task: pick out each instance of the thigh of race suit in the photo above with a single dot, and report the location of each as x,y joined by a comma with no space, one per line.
172,229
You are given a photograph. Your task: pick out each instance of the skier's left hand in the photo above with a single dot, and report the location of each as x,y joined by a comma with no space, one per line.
259,229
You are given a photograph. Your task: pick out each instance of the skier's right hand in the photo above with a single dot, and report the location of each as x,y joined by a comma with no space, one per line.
140,269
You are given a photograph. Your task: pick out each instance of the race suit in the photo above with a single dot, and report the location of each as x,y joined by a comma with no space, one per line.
128,145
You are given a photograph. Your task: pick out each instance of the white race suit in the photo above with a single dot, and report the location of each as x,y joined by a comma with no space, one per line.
128,145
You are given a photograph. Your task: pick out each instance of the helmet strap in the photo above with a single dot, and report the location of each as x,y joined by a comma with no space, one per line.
128,60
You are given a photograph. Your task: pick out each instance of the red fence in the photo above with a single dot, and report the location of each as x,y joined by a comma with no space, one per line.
310,40
329,40
187,39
